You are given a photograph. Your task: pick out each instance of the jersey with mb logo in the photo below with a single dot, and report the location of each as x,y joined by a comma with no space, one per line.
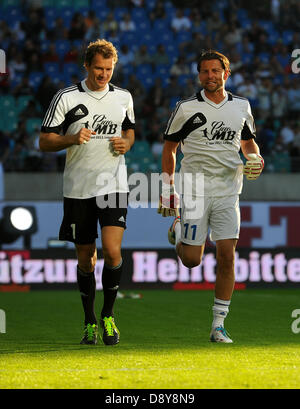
211,146
107,113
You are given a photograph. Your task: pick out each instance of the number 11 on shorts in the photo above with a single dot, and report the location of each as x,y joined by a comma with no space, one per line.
186,228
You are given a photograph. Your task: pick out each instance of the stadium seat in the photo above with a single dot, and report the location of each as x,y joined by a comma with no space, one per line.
35,78
140,149
22,102
62,47
264,57
281,162
11,120
10,3
66,13
128,39
51,14
138,14
52,68
32,124
150,4
7,102
119,13
70,68
287,37
13,14
182,79
143,70
183,37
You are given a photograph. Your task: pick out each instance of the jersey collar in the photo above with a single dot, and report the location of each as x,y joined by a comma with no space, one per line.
202,98
96,94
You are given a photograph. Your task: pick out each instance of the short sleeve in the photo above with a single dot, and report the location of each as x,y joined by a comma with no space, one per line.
249,130
55,115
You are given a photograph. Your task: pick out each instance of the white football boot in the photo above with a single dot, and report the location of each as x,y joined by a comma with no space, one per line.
219,334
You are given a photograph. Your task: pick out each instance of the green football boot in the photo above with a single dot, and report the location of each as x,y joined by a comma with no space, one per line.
111,334
90,336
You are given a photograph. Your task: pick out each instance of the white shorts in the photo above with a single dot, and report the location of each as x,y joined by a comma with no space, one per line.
219,215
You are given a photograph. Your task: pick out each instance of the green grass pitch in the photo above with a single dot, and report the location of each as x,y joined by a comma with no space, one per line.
164,342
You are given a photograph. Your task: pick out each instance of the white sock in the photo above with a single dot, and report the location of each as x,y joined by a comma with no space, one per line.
177,230
220,311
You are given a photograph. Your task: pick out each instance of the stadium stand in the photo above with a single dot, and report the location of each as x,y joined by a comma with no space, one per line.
158,42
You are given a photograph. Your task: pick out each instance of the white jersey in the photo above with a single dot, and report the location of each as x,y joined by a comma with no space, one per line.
210,136
91,169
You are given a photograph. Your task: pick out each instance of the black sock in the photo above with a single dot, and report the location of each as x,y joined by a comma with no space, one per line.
111,277
87,287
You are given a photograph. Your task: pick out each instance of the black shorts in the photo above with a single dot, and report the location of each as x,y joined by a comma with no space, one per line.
81,216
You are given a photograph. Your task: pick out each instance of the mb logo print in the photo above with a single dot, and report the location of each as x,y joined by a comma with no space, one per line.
2,62
2,322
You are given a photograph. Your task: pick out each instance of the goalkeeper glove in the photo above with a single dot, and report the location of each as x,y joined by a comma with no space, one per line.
254,166
169,201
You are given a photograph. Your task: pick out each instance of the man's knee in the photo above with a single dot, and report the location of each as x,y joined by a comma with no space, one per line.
112,255
87,258
190,256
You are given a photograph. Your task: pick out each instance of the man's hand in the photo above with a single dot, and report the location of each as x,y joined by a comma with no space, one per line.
169,201
254,166
83,136
120,145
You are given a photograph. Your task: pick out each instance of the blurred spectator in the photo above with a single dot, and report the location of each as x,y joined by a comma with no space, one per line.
126,55
59,31
93,26
190,88
72,55
213,22
160,57
30,111
34,63
279,102
248,89
174,89
233,36
296,142
275,10
286,136
134,85
142,56
109,24
17,66
78,28
156,93
158,12
180,22
266,137
45,93
293,95
264,92
50,55
4,153
191,48
23,88
127,24
180,67
157,147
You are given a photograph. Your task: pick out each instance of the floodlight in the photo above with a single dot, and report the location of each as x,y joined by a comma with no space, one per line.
17,221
